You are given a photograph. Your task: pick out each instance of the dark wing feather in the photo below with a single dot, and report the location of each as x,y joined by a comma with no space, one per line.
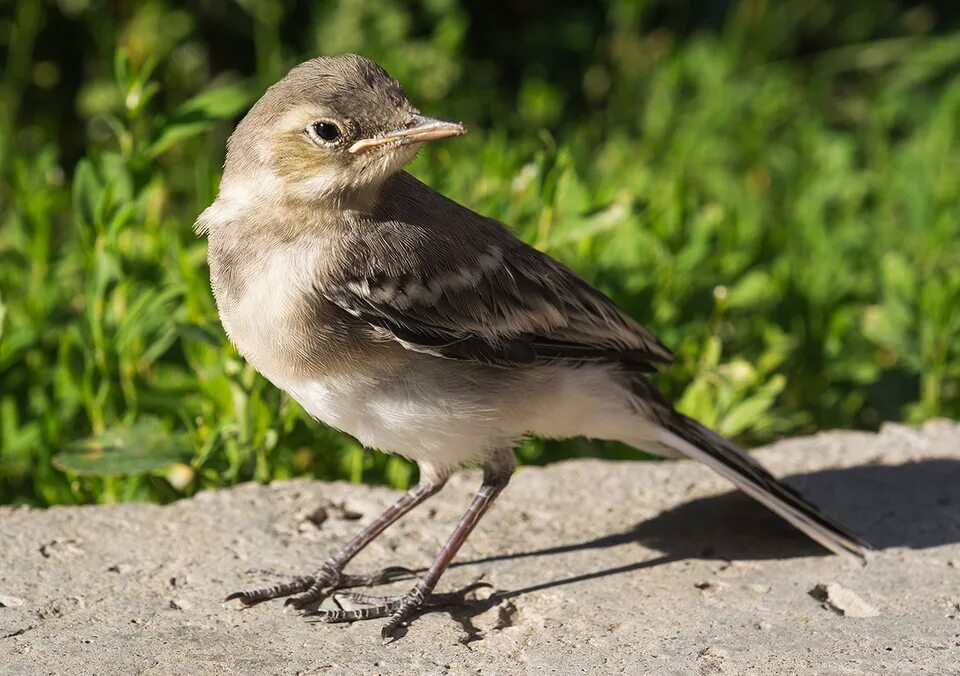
441,279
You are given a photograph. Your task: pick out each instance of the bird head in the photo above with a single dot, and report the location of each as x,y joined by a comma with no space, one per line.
333,128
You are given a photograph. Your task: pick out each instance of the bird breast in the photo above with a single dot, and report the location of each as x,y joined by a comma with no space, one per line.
266,297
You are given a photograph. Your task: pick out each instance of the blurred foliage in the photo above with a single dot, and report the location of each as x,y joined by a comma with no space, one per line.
771,186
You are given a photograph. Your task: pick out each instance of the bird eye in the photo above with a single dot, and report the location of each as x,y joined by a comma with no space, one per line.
326,132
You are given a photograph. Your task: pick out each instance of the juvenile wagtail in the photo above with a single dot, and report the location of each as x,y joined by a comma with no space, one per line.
420,327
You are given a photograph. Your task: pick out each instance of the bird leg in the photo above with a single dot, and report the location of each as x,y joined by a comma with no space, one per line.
401,608
329,577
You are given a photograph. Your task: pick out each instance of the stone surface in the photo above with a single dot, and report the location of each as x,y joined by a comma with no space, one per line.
595,567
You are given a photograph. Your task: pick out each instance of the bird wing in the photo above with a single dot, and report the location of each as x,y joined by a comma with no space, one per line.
444,280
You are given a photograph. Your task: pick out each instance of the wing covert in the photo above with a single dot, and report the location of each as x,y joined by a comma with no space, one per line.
476,292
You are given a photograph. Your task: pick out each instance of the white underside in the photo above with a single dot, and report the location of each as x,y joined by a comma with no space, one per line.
426,421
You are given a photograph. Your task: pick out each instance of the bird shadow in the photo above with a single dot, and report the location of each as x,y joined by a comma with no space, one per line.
914,505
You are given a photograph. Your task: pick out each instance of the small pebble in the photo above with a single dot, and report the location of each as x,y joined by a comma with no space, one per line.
708,587
842,601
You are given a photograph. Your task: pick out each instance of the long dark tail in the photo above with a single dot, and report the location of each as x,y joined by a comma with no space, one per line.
693,440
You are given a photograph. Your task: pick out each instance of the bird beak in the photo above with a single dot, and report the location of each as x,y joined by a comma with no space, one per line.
421,128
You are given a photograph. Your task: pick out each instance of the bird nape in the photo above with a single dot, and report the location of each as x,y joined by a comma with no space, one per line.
421,327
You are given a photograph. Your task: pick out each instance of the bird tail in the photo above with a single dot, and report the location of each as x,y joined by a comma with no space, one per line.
692,440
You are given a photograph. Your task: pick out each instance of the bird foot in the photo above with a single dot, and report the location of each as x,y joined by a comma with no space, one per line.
398,608
308,589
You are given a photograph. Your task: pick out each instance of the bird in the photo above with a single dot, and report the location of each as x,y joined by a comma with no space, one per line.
422,328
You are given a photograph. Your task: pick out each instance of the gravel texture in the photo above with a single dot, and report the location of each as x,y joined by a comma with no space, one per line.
594,567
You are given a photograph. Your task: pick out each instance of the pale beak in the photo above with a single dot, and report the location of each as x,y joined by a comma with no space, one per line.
422,128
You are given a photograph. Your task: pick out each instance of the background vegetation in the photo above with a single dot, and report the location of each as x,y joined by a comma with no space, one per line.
771,186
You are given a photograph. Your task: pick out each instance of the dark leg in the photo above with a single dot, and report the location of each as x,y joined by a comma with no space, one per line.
496,475
330,577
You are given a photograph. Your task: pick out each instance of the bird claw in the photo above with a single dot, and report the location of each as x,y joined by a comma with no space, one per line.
398,608
254,596
406,607
308,589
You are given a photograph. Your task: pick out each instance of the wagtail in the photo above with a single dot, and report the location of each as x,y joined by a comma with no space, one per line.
420,327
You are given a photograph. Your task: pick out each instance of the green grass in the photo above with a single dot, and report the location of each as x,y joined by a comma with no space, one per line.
774,189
